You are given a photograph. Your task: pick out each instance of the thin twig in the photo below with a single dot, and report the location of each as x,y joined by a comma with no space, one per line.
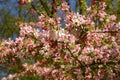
35,9
74,56
46,7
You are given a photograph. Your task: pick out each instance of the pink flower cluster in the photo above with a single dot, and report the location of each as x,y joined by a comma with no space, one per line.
84,49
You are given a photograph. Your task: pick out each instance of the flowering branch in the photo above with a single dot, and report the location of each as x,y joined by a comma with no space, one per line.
93,63
108,63
75,57
106,31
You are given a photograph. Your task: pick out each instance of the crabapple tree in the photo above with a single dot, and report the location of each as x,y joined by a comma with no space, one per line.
88,47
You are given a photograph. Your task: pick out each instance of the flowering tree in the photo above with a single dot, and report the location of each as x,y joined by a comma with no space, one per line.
28,10
87,48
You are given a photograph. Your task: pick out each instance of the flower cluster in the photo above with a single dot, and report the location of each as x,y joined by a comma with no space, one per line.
24,2
84,49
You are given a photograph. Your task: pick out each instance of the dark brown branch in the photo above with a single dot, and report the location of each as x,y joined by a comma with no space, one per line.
54,5
77,6
118,31
100,63
46,7
33,6
75,57
70,9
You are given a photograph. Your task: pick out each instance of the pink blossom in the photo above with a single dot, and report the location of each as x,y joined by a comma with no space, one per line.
102,15
103,5
53,34
112,17
65,6
40,24
19,40
83,49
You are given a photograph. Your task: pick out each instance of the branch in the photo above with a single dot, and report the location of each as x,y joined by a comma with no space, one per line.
93,63
83,6
46,7
100,63
70,9
77,6
35,9
54,5
106,31
75,57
